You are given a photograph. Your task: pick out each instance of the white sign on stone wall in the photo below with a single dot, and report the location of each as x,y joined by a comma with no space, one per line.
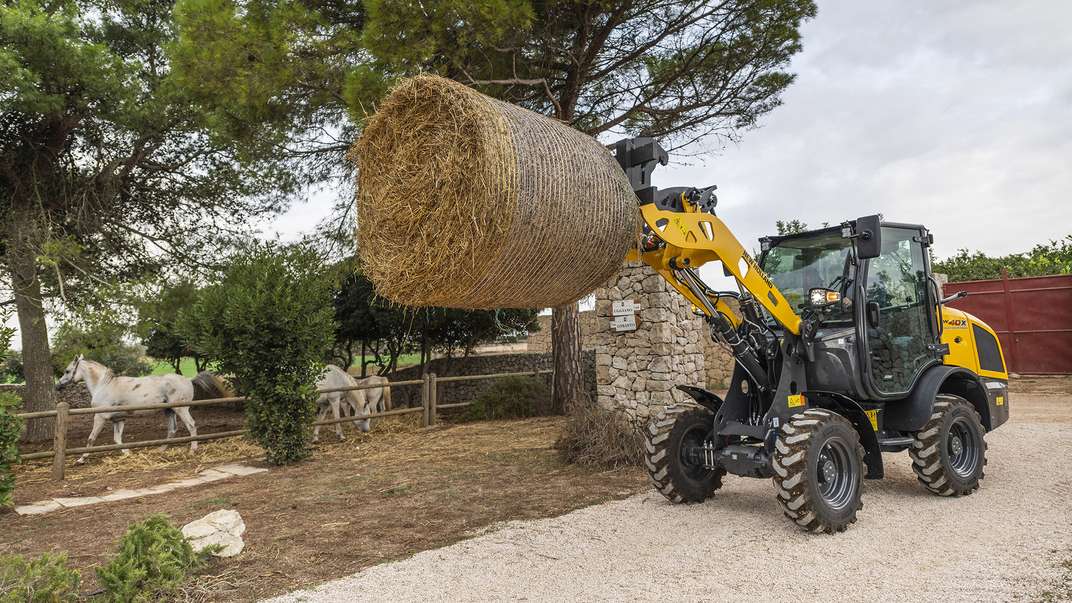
624,307
624,311
624,323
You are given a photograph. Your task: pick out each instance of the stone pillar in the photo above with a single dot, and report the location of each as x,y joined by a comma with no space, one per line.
637,371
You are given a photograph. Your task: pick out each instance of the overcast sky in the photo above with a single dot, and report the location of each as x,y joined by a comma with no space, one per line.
951,114
954,114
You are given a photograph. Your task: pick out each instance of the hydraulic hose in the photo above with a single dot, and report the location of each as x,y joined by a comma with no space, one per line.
741,350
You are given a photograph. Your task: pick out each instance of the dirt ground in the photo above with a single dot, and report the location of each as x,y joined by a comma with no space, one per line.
1010,541
399,490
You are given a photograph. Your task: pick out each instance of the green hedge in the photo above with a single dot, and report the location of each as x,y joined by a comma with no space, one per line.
10,431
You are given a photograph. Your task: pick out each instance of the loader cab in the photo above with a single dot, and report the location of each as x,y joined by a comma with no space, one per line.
881,333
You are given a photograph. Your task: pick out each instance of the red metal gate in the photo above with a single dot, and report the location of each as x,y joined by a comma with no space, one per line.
1032,317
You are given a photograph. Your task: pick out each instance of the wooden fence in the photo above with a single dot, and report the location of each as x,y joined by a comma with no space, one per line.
429,410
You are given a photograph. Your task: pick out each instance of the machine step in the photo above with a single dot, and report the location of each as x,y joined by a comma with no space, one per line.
895,443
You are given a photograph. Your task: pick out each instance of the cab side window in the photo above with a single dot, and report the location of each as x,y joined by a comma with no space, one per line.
897,284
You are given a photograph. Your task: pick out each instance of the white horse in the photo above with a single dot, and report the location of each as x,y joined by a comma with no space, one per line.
359,402
109,391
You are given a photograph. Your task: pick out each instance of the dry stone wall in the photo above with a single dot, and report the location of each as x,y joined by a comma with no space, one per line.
637,371
540,341
466,391
718,362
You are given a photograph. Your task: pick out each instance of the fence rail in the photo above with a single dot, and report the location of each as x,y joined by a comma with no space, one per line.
429,410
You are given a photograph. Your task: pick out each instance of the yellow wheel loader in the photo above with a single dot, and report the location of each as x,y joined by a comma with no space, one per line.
844,350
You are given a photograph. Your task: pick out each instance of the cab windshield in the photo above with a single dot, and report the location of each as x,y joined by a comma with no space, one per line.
799,264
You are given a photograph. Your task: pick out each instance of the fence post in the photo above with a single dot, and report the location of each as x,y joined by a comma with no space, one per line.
425,399
59,441
433,399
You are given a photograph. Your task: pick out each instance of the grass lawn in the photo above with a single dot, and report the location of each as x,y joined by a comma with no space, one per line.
163,367
188,369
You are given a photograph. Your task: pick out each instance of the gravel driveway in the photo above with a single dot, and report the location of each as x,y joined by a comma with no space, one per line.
1002,543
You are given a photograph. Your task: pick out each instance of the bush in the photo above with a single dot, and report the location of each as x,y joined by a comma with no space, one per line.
599,437
11,367
46,579
270,324
153,561
101,337
10,431
511,398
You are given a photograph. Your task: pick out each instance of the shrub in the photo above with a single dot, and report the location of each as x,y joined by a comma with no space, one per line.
154,559
46,579
511,398
10,431
269,323
101,337
593,435
11,367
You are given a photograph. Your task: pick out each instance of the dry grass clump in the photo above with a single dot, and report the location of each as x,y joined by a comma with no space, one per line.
466,201
596,436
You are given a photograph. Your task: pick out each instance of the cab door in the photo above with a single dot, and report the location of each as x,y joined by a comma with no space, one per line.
898,317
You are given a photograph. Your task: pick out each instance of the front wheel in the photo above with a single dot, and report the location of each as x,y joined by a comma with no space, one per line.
817,464
949,453
673,441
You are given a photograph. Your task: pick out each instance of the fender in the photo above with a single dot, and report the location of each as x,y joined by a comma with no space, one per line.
851,410
703,397
912,413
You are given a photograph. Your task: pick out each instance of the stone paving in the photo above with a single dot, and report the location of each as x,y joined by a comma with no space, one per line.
204,477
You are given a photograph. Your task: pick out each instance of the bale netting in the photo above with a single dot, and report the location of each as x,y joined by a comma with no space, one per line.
468,202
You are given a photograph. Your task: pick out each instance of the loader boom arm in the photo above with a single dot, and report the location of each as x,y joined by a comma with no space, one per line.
688,238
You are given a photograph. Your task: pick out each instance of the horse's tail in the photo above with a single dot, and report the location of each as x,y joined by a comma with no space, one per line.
208,385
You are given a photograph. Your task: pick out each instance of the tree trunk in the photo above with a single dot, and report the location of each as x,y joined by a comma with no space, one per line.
568,382
36,357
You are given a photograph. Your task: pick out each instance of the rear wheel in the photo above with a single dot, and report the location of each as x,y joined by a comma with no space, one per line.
817,465
949,453
674,463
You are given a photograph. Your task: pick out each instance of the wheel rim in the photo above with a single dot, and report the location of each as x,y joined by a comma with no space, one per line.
836,477
692,442
962,448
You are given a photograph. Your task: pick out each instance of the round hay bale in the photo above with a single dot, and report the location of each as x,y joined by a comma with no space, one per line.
469,202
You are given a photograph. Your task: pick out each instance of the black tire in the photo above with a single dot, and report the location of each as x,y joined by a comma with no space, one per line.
677,478
949,453
818,470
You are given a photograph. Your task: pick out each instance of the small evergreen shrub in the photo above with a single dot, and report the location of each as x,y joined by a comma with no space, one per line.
596,436
511,398
45,579
10,431
154,559
269,323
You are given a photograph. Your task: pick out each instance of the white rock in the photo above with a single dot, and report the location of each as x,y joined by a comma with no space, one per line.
224,527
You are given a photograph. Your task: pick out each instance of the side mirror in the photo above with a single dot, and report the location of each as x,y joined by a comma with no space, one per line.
868,237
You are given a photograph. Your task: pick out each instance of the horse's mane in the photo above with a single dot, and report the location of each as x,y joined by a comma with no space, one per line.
100,366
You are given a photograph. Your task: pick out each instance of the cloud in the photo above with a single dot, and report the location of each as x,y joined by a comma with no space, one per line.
950,114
